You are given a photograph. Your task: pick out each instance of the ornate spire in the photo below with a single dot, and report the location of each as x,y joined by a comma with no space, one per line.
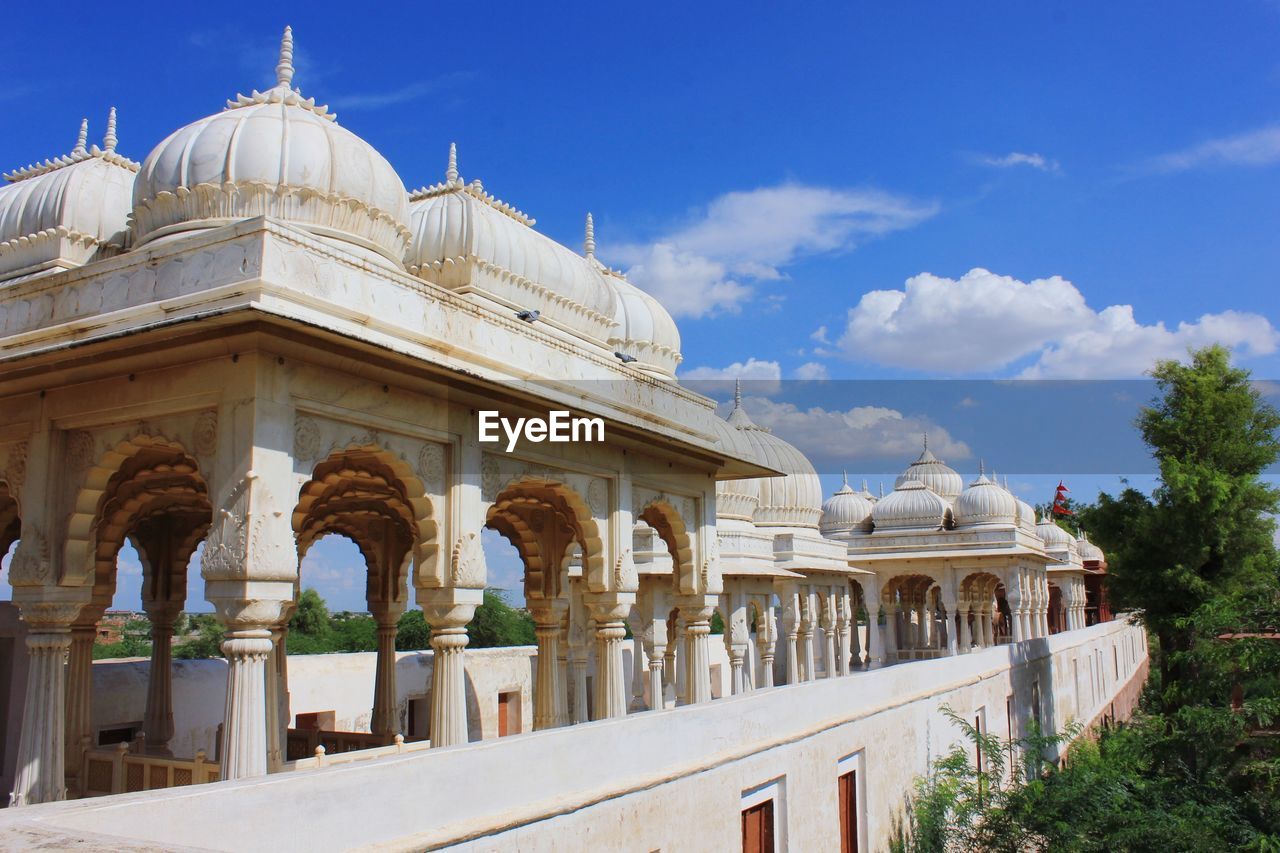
882,489
589,242
982,469
284,69
926,441
846,478
83,139
451,173
109,139
737,393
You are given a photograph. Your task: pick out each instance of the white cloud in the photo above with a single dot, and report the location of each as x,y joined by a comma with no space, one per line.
1254,148
716,261
752,368
835,437
811,370
820,335
983,322
410,92
1017,158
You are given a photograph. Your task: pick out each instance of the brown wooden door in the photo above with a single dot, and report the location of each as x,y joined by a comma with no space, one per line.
504,714
757,828
849,812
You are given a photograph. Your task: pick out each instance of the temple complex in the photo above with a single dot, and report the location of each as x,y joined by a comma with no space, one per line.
256,336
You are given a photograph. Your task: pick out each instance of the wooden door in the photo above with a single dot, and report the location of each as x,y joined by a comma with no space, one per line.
849,812
757,828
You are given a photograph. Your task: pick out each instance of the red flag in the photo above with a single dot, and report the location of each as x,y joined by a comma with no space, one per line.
1060,500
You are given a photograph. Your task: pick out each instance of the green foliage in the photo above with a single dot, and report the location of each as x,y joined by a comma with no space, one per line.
1198,768
203,638
497,623
412,632
717,622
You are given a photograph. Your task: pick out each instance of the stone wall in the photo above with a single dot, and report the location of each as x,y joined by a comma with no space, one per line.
652,781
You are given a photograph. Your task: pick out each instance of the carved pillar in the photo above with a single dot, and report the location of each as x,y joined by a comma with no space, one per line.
828,611
875,634
766,641
448,611
966,639
609,613
791,624
696,615
638,658
950,609
808,621
157,722
244,728
386,707
280,638
548,712
844,615
80,694
891,631
41,774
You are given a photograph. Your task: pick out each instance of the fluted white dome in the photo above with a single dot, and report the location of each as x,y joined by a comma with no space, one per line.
792,500
735,499
933,473
910,505
644,329
463,237
63,212
276,154
847,511
1089,551
1026,515
985,503
1053,536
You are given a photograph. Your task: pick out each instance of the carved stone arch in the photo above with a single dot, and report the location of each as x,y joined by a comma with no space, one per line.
376,499
665,518
526,494
139,479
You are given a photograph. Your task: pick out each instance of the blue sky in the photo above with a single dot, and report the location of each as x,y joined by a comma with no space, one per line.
843,190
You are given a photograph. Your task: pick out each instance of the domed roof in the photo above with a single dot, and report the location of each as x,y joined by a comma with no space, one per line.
793,500
735,499
277,154
847,510
62,212
1054,537
934,473
644,329
910,505
1089,551
985,503
464,237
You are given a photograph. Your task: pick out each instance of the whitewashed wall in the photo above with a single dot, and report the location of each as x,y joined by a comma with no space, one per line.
669,781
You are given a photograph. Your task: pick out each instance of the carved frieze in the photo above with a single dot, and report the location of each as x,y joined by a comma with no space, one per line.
31,565
431,466
467,568
204,437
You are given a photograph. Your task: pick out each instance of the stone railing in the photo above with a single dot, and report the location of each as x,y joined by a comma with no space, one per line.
119,771
303,743
322,757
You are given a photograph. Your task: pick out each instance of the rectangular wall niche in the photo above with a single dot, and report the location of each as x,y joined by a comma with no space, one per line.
763,818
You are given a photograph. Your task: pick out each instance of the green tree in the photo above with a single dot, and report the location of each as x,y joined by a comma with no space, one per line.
203,638
497,623
134,642
412,632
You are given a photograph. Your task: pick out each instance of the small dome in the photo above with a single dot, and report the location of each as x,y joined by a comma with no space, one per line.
935,474
735,499
985,503
463,237
276,154
645,330
1054,537
910,505
1026,515
847,511
1089,551
63,212
792,500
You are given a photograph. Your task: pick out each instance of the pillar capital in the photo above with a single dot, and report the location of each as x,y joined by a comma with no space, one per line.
449,609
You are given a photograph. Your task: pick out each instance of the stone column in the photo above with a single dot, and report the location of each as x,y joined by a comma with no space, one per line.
950,608
271,701
829,667
244,727
447,611
280,637
638,659
578,663
875,634
157,722
386,707
547,691
697,631
808,621
766,637
891,633
41,773
966,639
41,752
80,696
791,624
844,615
610,614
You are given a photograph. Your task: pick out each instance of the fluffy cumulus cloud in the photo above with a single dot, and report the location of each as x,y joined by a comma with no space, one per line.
834,438
811,370
1017,158
716,261
1255,148
983,322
